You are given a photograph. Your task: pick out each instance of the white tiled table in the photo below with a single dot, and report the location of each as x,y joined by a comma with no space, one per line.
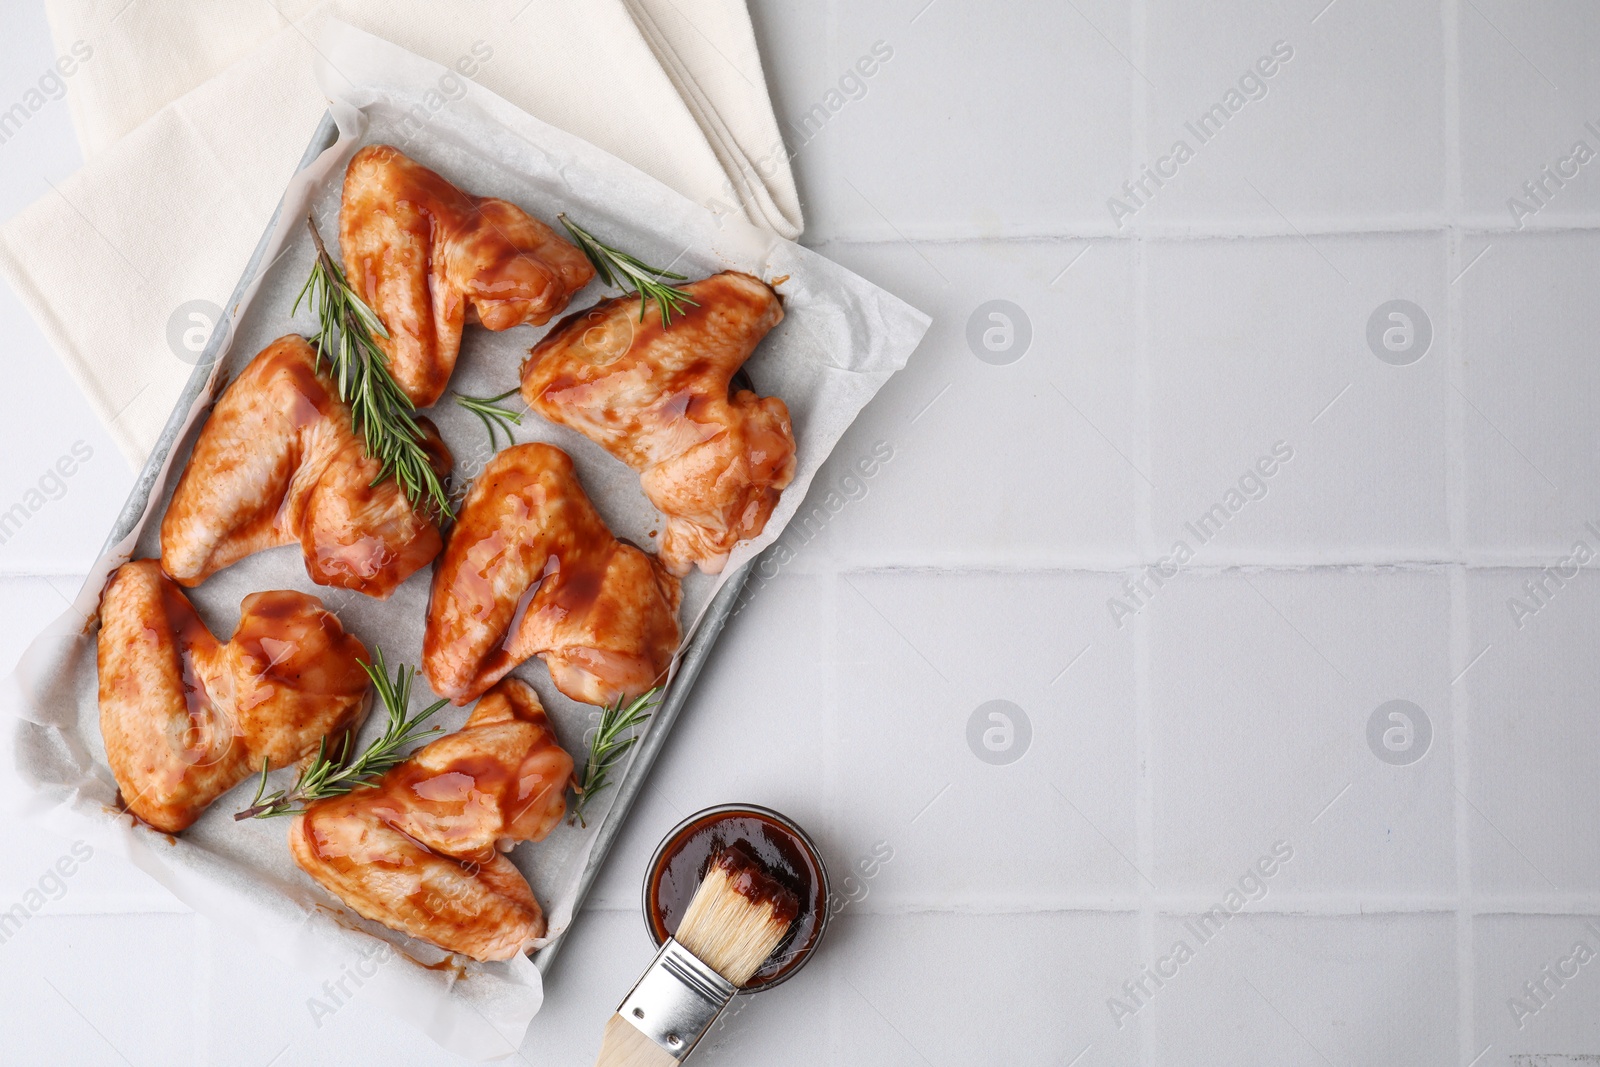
1166,756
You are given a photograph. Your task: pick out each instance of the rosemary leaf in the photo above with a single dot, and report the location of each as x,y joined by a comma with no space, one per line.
612,739
324,777
493,418
622,271
346,337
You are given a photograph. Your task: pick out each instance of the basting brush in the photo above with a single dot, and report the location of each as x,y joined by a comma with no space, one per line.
738,916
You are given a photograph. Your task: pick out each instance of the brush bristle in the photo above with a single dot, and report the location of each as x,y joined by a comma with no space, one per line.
738,916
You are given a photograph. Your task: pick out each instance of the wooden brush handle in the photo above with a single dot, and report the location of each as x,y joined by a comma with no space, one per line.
624,1046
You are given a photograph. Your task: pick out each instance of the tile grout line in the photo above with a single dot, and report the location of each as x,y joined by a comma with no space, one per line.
1144,813
830,171
1063,568
201,1028
1466,903
1144,804
1216,230
1455,498
830,773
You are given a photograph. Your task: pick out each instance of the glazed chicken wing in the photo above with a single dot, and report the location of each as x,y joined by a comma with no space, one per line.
279,462
422,253
532,569
421,852
186,718
658,399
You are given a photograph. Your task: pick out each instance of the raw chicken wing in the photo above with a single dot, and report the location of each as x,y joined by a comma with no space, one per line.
186,718
279,462
532,569
657,398
421,851
422,253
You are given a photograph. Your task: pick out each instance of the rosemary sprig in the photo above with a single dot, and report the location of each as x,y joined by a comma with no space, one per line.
612,739
493,418
325,777
622,271
379,408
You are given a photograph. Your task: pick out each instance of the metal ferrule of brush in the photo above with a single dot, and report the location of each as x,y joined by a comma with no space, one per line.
677,999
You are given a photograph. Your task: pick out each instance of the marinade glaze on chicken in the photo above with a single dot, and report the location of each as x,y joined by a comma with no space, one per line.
186,717
425,255
278,462
531,569
713,460
421,852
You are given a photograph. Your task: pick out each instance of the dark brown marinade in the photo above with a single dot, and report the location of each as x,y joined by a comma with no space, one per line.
751,840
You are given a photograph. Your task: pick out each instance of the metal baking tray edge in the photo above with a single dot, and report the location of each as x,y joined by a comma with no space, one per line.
692,657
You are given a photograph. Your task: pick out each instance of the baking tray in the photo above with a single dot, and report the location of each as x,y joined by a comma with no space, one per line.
136,513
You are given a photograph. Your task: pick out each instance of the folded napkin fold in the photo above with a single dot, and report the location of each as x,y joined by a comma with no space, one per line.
193,113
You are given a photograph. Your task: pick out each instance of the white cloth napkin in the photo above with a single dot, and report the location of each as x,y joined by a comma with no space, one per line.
193,113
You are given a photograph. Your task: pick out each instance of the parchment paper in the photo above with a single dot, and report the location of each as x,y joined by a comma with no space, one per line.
840,340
